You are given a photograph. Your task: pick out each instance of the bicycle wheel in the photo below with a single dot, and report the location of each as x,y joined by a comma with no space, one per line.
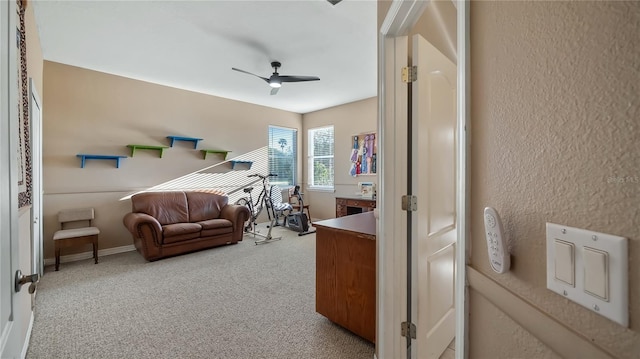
247,223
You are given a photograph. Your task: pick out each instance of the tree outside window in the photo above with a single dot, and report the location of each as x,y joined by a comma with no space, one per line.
282,155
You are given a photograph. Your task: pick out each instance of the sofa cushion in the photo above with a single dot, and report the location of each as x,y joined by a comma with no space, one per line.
204,206
214,227
166,207
180,232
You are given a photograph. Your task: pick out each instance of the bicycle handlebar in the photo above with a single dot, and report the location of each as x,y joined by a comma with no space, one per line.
263,177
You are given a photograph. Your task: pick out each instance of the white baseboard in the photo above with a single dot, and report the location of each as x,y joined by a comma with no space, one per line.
87,255
27,339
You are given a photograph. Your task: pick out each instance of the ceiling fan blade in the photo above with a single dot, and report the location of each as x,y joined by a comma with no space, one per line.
298,78
249,73
274,90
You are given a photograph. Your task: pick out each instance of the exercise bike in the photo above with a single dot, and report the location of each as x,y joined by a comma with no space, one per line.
298,221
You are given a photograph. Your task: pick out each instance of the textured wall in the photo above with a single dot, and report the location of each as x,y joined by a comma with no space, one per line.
508,340
555,138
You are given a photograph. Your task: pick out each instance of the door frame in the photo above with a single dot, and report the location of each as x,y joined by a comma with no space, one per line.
37,255
392,124
11,342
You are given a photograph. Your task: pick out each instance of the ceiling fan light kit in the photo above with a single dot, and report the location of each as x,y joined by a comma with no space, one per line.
276,80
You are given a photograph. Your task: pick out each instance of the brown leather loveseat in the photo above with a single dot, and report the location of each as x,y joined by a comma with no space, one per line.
165,224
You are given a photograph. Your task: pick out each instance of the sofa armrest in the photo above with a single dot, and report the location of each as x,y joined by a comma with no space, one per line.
145,227
237,214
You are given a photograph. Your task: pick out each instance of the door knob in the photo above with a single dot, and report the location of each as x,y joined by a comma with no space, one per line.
24,279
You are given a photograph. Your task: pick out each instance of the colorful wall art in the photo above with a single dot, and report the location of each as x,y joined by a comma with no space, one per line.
363,154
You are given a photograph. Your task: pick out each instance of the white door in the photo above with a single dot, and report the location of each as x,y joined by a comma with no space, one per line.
433,172
35,116
11,322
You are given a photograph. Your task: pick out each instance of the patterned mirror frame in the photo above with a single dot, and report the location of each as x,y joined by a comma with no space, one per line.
24,145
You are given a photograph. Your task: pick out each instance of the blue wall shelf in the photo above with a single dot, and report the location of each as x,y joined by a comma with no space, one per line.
187,139
84,157
236,163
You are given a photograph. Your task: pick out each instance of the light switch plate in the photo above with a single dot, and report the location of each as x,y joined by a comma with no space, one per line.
616,306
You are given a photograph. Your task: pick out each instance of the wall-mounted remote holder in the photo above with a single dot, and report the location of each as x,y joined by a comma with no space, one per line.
496,241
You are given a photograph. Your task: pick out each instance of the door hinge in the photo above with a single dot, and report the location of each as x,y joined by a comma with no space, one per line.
409,203
408,328
409,74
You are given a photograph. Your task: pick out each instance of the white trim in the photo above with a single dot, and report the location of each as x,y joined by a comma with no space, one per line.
5,168
27,339
37,256
463,249
321,189
400,18
87,255
5,335
392,170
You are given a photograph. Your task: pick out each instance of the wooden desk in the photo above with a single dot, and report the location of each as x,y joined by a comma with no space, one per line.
346,272
352,205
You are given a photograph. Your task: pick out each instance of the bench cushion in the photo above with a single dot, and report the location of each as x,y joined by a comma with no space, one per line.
75,232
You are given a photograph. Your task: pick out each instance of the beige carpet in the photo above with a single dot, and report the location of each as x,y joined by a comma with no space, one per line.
238,301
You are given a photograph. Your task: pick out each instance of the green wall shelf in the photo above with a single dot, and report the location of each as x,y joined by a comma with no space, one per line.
84,157
188,139
206,152
235,163
147,147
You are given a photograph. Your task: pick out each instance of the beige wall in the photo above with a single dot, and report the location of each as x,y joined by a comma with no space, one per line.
348,120
97,113
555,111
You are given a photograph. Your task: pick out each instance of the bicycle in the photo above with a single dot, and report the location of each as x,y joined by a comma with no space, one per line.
255,209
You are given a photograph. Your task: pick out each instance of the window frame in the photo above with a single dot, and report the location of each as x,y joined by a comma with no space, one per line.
311,157
294,146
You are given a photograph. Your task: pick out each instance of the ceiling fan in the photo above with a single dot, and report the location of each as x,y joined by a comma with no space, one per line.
276,80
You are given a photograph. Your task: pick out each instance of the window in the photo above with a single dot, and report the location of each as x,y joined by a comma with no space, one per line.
283,144
321,158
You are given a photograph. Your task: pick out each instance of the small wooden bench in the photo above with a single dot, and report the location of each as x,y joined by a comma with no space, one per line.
70,237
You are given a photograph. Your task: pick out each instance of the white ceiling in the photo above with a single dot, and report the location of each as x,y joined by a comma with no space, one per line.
194,44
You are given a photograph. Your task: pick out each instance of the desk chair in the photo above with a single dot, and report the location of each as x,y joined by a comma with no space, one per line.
76,229
295,203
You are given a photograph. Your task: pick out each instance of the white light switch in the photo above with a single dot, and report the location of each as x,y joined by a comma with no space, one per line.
591,269
596,273
564,262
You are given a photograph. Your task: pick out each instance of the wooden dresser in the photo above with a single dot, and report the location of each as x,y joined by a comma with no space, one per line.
352,205
346,272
